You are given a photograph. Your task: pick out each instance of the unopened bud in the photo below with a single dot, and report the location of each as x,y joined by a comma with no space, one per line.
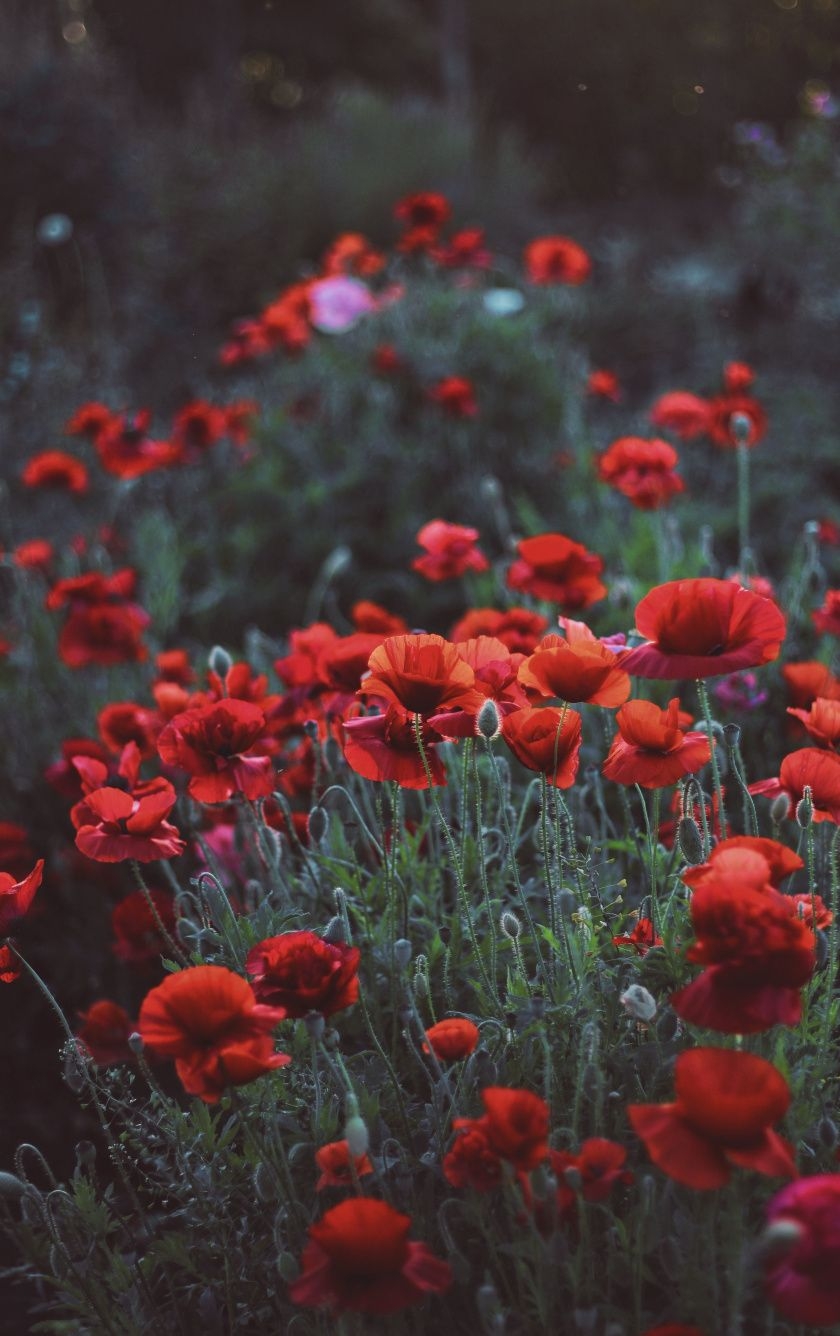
488,722
11,1186
779,1237
780,809
638,1003
732,735
690,840
402,952
586,1320
356,1134
314,1022
310,728
741,426
510,925
136,1043
573,1178
317,824
334,931
85,1154
805,809
219,662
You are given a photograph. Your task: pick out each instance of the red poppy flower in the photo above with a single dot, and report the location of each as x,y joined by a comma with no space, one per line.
137,938
211,743
641,938
726,1103
112,825
472,1162
547,740
456,396
386,361
352,254
736,857
802,1279
208,1019
651,749
757,954
452,1039
89,420
359,1260
103,633
34,555
384,746
819,770
126,450
724,412
9,965
598,1168
16,853
556,260
55,468
300,972
424,674
554,567
808,680
465,250
367,616
822,720
703,628
517,1125
683,413
813,911
604,385
239,420
426,208
450,551
737,377
576,668
341,665
334,1162
520,629
641,470
197,426
173,665
105,1031
828,533
17,896
495,671
827,618
122,722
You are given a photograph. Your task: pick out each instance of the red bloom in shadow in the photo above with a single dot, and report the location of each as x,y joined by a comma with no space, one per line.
359,1260
703,628
495,671
827,618
450,551
641,470
137,938
9,966
465,250
724,412
456,396
472,1162
807,680
516,1122
89,420
726,1104
553,567
113,825
758,953
197,426
651,748
36,555
603,384
802,1277
55,468
127,451
556,260
547,740
576,668
642,937
819,770
452,1039
591,1174
103,626
736,857
372,617
351,253
334,1162
737,377
300,972
17,896
683,413
207,1018
212,744
105,1032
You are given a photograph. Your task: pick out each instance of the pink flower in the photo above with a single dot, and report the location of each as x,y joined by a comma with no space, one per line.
802,1266
339,303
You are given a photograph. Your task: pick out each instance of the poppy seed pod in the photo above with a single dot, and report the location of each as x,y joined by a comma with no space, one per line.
805,809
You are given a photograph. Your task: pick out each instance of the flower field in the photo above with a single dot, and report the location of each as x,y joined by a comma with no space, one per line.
419,851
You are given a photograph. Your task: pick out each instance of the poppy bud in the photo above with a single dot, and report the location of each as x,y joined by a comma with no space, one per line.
402,952
421,982
317,824
805,809
586,1320
219,662
314,1023
356,1135
573,1178
334,931
638,1002
510,925
690,840
489,1308
779,809
488,721
11,1186
136,1043
289,1267
779,1237
740,425
732,735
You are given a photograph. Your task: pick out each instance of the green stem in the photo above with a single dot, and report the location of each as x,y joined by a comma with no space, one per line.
718,787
